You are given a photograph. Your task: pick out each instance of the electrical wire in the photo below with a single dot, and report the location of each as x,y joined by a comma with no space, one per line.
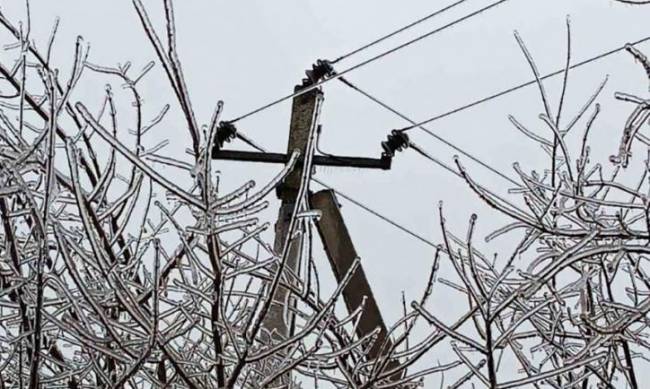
438,162
384,218
420,125
521,86
398,31
316,85
429,132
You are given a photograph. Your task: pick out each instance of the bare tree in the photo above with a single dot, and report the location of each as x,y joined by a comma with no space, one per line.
568,304
113,275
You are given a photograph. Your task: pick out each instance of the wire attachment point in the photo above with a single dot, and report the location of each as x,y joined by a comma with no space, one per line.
225,133
396,141
321,70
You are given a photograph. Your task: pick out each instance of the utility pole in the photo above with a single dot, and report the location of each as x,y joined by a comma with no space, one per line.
332,230
341,254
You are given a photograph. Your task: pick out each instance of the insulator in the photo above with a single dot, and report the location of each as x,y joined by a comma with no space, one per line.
396,141
225,133
320,70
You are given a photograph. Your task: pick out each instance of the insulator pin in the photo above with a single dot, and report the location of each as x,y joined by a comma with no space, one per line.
396,141
225,133
319,71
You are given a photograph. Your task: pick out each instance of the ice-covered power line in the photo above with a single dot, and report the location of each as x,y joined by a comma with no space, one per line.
398,31
428,131
370,60
438,162
475,103
377,214
521,86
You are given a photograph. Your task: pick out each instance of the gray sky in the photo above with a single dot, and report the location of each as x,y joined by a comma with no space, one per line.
250,52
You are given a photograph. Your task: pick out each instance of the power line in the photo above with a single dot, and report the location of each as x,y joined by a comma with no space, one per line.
433,159
398,31
429,132
420,125
368,61
521,86
377,214
397,225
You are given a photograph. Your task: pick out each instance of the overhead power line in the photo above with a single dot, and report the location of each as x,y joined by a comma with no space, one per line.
438,162
398,31
377,214
430,133
368,61
521,86
475,103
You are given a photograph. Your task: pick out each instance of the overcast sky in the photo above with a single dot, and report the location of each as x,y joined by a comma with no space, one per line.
248,52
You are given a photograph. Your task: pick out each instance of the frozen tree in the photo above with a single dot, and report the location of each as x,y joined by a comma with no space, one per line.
115,276
569,305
